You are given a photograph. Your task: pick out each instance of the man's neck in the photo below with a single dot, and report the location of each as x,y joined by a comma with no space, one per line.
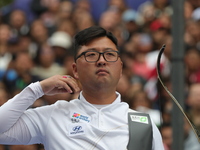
100,98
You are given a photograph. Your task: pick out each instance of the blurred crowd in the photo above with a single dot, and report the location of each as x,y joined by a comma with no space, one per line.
36,42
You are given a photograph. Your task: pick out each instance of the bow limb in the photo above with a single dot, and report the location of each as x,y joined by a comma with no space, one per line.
196,132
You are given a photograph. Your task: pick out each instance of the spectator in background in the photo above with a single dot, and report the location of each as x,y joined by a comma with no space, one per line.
84,20
38,34
83,5
160,29
118,4
65,11
192,62
162,6
129,18
190,141
82,17
45,65
166,132
5,55
24,45
18,23
19,74
152,10
110,18
38,7
188,10
26,8
143,45
65,18
68,27
61,43
120,32
123,86
47,11
193,102
151,60
130,80
192,34
50,16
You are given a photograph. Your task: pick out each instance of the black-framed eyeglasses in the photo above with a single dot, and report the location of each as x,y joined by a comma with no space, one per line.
93,56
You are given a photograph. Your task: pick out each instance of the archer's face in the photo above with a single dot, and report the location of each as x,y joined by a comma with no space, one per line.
101,73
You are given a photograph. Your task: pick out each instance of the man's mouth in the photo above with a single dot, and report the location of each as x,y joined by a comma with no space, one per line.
102,71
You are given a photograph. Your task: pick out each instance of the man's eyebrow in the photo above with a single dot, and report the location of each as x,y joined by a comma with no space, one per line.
96,49
91,49
109,49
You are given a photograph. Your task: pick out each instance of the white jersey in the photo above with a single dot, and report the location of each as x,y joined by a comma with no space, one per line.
74,125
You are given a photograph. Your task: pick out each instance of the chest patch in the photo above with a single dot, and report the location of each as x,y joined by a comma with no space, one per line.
76,117
140,119
76,129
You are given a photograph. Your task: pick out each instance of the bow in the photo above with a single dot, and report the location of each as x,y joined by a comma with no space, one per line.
196,132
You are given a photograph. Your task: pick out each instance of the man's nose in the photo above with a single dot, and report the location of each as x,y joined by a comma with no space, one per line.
101,60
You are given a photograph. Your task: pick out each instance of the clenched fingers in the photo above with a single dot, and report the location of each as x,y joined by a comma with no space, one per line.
59,84
71,84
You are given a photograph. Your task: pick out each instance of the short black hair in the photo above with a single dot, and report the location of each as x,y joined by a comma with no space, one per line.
85,36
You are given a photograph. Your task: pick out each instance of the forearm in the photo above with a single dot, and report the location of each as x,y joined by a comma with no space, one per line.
11,111
18,134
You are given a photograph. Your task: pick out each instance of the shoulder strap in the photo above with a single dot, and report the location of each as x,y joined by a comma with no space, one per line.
140,131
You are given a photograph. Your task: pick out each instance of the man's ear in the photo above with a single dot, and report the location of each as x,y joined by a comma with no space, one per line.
75,73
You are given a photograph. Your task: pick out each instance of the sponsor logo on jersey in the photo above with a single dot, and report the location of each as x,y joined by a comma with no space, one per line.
76,129
140,119
77,116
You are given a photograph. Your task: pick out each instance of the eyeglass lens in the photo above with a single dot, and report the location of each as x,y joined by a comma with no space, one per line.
109,56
